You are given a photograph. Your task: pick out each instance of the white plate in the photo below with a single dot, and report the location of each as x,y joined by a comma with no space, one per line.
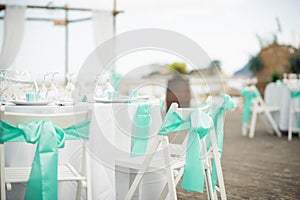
142,97
119,100
26,103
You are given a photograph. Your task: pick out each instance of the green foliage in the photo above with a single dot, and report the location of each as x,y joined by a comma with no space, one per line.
215,63
178,67
295,62
256,64
265,42
275,76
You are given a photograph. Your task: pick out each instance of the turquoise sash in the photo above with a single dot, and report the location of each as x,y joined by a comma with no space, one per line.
248,96
217,114
293,96
194,175
140,129
116,77
42,183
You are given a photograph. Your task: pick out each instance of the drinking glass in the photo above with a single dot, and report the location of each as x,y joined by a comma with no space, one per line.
69,87
43,90
52,92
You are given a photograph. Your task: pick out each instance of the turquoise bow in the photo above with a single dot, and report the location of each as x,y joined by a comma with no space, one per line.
217,114
295,94
140,129
248,96
42,183
194,175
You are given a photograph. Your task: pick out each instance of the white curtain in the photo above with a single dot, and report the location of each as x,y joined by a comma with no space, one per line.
14,23
103,25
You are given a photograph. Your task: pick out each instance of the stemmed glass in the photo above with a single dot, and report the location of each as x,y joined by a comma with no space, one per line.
4,85
52,93
69,87
43,89
103,87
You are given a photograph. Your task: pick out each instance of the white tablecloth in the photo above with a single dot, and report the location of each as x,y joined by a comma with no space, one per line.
109,137
279,95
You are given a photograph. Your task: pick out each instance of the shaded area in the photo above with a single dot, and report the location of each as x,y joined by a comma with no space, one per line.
266,167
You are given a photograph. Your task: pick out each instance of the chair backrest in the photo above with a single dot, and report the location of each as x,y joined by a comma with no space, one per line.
189,117
258,101
184,113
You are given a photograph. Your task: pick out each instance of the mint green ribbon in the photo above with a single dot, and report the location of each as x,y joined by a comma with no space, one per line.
217,114
194,175
116,77
140,129
42,183
162,104
248,96
194,172
293,96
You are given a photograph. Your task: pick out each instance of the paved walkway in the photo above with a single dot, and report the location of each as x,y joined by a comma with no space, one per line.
266,167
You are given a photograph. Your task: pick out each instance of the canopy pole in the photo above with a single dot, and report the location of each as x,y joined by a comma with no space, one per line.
66,42
114,17
67,21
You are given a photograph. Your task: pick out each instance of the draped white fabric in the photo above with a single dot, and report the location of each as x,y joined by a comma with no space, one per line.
103,25
14,24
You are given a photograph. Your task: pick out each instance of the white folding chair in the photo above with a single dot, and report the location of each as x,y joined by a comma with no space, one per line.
293,116
66,172
163,157
258,106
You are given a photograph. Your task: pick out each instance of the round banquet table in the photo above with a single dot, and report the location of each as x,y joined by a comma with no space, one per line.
110,138
279,95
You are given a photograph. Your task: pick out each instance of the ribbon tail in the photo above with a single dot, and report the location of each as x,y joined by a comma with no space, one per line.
140,130
214,176
194,175
42,183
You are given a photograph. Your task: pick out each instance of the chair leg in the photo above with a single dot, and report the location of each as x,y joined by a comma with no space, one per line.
82,168
290,132
217,160
88,175
85,169
145,166
2,172
210,190
253,124
244,129
169,170
272,122
165,191
220,175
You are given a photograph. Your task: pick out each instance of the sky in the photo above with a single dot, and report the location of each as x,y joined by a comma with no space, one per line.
226,30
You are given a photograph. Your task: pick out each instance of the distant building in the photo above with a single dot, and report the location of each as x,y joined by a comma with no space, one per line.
245,71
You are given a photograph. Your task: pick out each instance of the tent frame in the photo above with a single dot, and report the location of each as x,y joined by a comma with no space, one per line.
66,21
